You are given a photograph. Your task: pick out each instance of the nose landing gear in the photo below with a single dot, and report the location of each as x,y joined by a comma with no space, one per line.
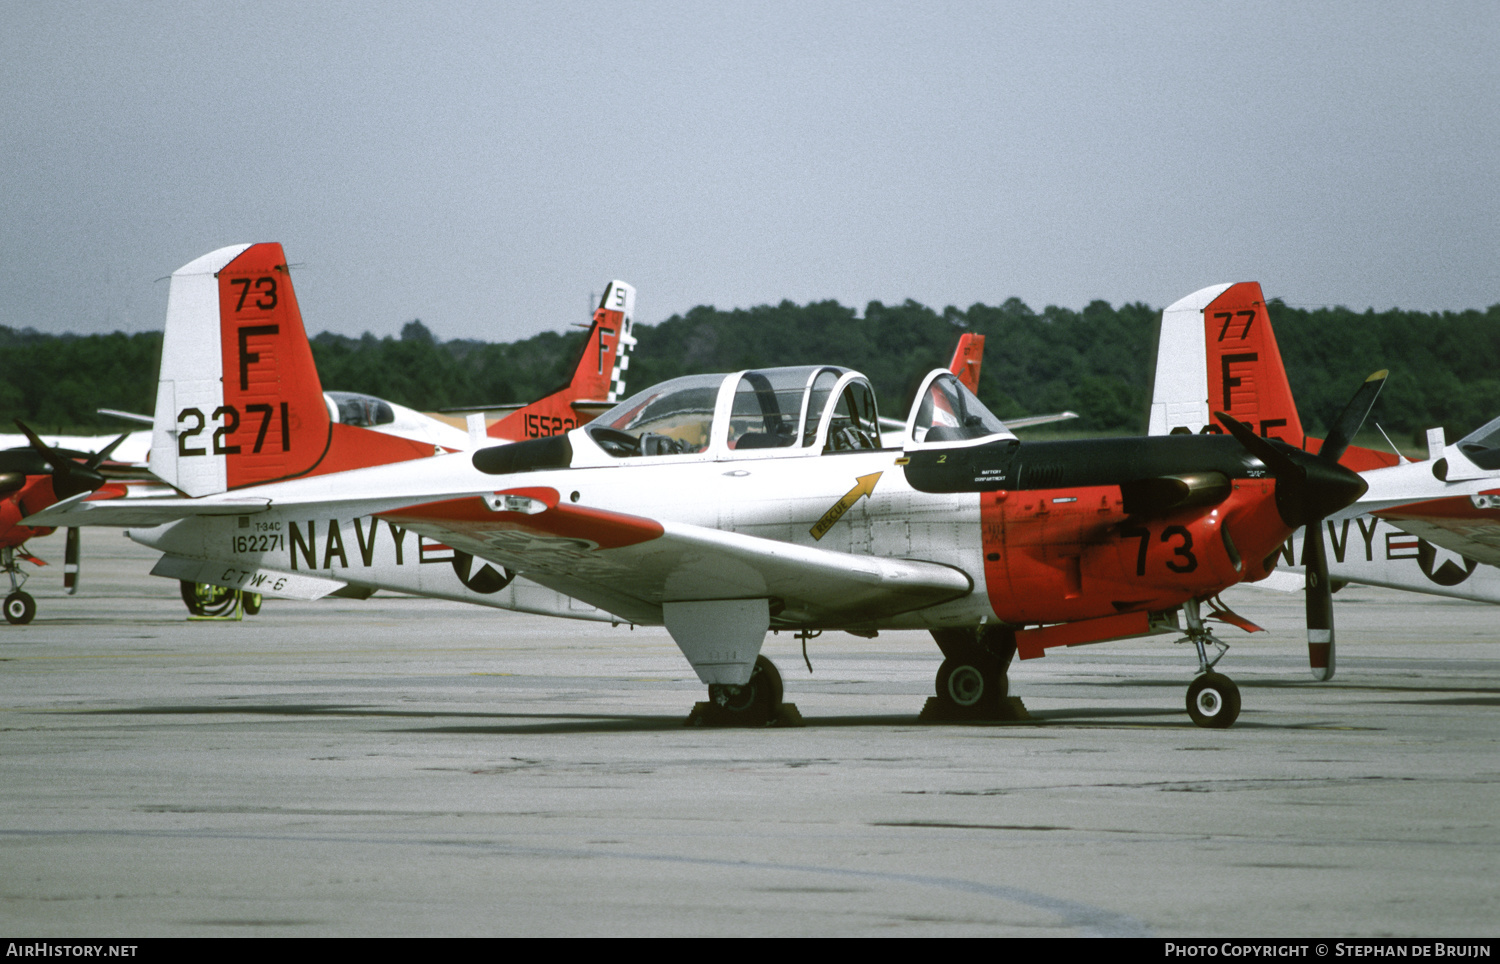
20,608
1213,700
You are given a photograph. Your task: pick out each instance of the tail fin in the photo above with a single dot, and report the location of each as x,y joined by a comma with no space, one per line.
966,360
598,378
1217,352
239,401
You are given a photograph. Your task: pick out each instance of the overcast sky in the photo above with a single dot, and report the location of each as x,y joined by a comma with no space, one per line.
485,167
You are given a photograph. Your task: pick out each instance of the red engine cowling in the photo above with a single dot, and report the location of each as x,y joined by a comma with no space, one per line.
34,496
1061,555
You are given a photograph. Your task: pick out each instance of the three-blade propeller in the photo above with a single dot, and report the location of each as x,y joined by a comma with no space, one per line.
1308,489
69,478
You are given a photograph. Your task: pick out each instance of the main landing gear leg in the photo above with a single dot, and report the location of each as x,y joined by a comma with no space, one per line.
973,682
19,606
1212,700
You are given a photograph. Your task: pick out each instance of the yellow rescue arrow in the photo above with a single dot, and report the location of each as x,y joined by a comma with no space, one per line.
864,485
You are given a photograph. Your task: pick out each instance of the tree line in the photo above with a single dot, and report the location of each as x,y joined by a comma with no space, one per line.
1099,361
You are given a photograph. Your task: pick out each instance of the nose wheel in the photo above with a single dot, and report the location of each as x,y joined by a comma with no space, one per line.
19,608
1213,700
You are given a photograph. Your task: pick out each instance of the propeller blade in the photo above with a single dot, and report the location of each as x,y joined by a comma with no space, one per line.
1320,650
1291,478
36,443
1280,464
68,477
104,453
70,562
1353,417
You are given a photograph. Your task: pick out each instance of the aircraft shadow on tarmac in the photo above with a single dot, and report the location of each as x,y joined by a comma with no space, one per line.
542,723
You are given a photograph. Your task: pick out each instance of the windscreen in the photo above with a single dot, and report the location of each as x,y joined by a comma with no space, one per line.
949,412
1482,446
671,418
364,411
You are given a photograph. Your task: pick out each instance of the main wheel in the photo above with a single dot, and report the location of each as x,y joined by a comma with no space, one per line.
972,685
1213,701
19,608
754,703
203,599
252,603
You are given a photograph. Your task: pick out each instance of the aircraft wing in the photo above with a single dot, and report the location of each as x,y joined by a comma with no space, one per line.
631,565
1027,421
1468,525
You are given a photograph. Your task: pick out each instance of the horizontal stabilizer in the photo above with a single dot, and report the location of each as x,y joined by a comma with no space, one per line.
79,511
127,416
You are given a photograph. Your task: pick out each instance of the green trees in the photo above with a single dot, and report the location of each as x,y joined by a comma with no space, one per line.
1099,362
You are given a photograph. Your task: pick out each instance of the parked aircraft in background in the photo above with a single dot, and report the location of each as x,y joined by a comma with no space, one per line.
720,506
1427,527
599,376
968,356
31,479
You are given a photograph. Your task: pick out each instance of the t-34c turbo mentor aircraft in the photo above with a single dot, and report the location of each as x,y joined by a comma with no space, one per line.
725,505
213,578
1426,527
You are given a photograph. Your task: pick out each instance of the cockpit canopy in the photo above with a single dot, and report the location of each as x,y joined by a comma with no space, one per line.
947,413
364,411
803,410
1482,446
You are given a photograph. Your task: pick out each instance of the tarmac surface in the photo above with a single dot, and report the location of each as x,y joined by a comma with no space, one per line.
404,766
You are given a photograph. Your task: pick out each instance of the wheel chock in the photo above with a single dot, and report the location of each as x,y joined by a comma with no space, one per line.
712,714
1010,710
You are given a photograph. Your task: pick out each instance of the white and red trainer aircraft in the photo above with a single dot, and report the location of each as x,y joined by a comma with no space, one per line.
720,506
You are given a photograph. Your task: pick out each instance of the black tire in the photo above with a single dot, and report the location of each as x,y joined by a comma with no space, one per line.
756,702
252,603
973,686
1213,701
19,608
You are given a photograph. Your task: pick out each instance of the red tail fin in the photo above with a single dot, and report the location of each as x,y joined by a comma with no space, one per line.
239,401
1218,353
1246,378
599,376
966,360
